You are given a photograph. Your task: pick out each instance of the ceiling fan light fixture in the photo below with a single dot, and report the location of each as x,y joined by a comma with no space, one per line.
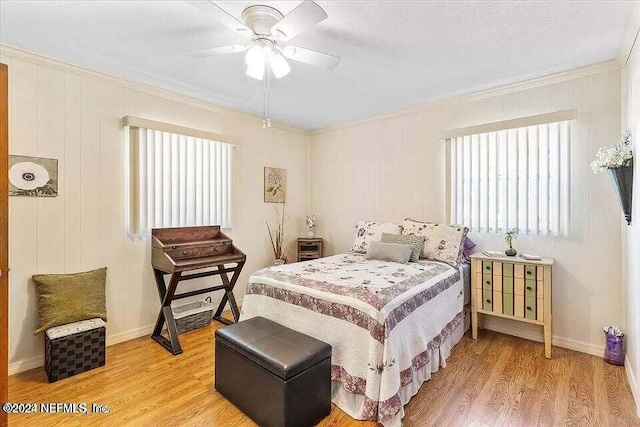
256,56
279,65
256,71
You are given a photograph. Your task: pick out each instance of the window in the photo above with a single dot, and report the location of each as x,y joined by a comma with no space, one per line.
512,174
178,176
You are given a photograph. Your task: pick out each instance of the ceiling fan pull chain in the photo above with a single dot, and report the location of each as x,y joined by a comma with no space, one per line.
264,104
268,98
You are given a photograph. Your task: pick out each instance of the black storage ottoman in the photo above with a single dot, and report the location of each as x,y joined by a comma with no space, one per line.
74,348
275,375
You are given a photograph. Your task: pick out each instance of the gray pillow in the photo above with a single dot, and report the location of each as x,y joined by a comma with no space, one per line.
416,242
394,252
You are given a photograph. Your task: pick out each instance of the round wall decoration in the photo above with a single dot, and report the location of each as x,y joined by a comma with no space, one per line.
33,176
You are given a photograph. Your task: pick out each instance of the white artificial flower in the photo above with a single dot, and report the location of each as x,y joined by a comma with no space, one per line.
616,156
28,176
311,221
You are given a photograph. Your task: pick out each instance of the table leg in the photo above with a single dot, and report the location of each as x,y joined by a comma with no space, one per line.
166,315
228,296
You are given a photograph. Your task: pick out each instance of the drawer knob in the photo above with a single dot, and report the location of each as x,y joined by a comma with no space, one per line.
488,268
488,300
488,282
529,308
529,272
215,249
184,252
528,288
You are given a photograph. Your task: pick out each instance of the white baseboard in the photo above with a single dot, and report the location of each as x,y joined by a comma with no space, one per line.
38,361
129,335
583,347
26,364
631,377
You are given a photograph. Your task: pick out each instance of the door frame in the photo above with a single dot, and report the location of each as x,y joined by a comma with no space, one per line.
4,240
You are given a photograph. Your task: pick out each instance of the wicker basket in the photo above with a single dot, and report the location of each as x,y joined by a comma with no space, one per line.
194,315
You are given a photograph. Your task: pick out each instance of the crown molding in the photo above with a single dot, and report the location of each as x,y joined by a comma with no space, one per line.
497,90
7,51
39,59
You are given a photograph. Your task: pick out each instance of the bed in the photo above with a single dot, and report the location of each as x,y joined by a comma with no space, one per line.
390,325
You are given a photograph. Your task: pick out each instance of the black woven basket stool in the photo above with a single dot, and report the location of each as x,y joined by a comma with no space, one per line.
74,348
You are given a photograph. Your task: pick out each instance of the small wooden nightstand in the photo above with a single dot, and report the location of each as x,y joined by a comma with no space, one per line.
309,249
513,288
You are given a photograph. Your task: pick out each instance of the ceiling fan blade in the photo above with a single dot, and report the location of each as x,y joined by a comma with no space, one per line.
222,16
305,15
311,57
222,50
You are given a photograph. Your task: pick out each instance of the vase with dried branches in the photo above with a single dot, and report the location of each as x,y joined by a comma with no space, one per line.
277,236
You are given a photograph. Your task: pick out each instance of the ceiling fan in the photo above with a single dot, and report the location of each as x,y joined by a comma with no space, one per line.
268,29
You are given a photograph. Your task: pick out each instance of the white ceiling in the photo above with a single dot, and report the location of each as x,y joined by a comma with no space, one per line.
395,54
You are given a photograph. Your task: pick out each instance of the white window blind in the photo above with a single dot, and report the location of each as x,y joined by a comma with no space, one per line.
178,180
515,177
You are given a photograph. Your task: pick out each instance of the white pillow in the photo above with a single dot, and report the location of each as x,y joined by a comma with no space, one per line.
369,231
442,242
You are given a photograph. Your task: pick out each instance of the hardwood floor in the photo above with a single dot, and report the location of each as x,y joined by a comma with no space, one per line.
497,380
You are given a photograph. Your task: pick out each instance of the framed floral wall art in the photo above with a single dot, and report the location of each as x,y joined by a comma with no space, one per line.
33,176
275,185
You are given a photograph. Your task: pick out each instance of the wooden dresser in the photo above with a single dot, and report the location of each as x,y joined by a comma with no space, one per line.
309,249
513,288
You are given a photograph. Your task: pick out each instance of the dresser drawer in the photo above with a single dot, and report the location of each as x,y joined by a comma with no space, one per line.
518,286
518,271
518,305
487,300
530,311
484,281
540,289
530,288
507,304
497,268
308,247
540,307
530,272
507,285
497,283
199,252
497,302
507,270
487,267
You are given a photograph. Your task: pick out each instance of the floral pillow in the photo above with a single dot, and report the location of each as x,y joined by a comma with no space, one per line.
442,242
369,231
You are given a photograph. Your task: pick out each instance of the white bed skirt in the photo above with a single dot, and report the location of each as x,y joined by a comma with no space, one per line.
353,404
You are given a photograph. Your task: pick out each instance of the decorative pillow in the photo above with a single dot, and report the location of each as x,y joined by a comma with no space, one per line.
416,243
68,298
468,250
369,231
394,252
442,242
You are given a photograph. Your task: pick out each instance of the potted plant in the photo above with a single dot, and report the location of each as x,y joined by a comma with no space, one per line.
618,161
508,238
277,236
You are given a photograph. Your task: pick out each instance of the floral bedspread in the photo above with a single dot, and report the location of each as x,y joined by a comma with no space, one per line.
382,319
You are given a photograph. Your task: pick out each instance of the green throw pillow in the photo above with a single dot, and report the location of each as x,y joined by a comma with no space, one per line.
68,298
416,243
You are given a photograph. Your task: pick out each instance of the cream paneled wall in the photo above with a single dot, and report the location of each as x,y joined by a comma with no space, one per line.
631,276
73,115
393,167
